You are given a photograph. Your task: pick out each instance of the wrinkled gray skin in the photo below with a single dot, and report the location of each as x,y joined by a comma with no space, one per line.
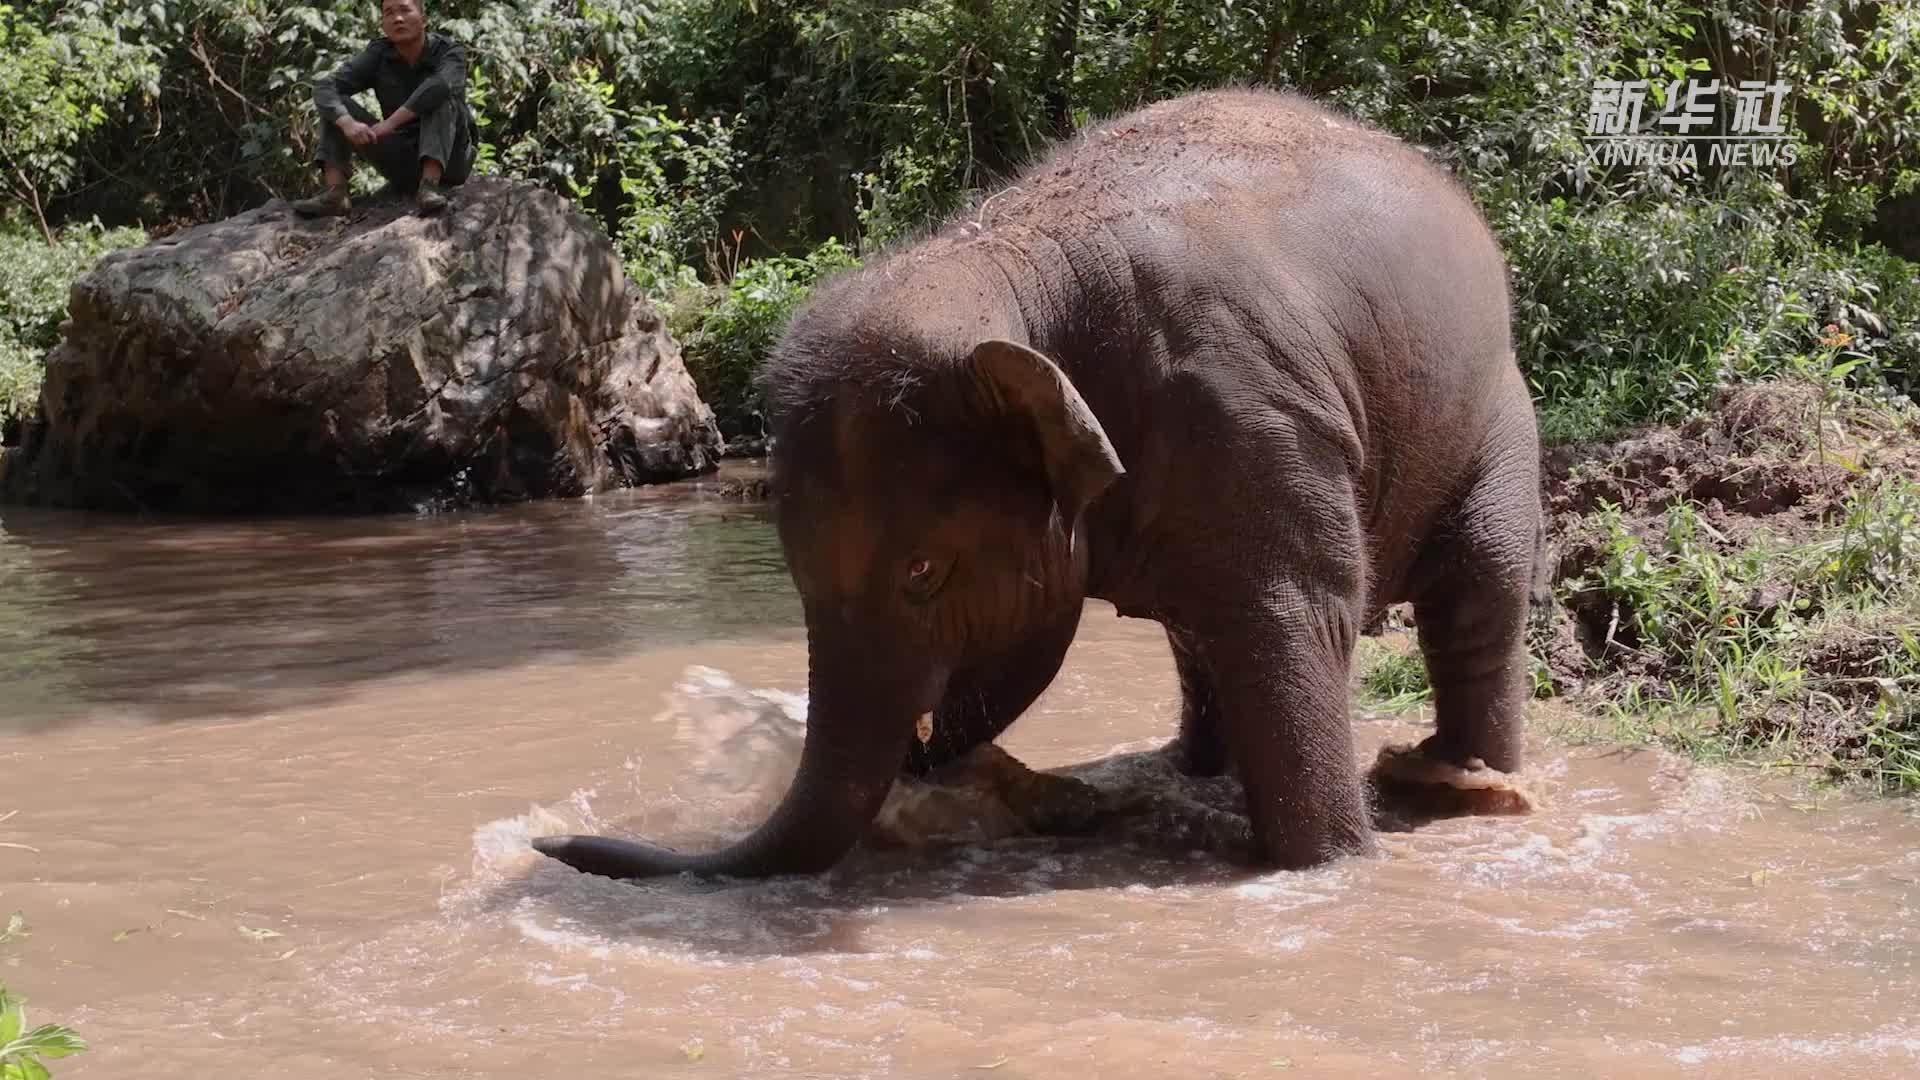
1232,363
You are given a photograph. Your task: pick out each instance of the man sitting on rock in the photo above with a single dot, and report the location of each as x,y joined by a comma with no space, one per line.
425,140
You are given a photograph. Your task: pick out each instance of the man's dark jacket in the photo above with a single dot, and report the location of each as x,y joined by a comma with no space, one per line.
439,79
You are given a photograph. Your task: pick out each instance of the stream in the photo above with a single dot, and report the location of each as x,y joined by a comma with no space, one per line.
270,786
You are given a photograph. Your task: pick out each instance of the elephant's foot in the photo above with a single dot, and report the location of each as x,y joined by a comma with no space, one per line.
985,795
1048,804
1416,786
1171,823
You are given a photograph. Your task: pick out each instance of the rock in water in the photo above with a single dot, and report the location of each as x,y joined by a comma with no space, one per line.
494,352
746,748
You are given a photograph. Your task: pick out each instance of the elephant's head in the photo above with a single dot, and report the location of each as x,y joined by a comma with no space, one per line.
928,512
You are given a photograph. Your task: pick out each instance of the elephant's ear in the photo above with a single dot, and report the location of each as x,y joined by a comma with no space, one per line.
1019,382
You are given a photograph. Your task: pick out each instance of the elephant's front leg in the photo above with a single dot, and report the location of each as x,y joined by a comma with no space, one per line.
1200,749
1280,673
984,699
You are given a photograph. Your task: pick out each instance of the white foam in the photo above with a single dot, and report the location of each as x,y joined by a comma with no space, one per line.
1887,1041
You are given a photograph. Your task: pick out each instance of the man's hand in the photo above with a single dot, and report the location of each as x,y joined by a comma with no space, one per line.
400,118
357,133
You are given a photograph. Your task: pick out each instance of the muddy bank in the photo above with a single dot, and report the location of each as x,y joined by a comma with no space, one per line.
1755,565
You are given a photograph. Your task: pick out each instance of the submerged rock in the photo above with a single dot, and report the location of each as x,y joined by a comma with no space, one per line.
494,352
747,744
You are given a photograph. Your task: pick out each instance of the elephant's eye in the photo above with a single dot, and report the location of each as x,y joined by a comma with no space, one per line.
924,577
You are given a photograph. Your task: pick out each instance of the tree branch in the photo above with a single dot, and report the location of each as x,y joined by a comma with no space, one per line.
32,198
200,54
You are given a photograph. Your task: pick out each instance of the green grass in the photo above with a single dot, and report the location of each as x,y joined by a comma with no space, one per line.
1392,679
1802,652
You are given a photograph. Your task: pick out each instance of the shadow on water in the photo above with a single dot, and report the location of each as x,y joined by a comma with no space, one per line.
170,620
831,913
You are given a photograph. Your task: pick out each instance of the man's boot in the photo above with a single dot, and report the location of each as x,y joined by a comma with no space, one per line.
329,203
430,199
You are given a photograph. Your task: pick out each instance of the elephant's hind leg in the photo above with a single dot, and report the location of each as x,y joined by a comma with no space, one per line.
1472,617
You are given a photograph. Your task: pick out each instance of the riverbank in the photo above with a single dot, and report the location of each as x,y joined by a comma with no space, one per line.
1742,586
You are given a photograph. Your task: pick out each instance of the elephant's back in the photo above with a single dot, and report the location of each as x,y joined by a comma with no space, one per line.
1272,153
1274,250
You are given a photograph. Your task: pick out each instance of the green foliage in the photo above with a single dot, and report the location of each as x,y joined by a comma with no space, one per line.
726,342
1729,649
34,282
1877,548
24,1052
676,179
1395,679
58,78
35,278
20,370
1683,599
701,132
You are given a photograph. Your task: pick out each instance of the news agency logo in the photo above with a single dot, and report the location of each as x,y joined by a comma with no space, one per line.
1756,132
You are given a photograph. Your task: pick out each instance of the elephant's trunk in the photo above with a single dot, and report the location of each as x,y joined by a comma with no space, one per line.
859,723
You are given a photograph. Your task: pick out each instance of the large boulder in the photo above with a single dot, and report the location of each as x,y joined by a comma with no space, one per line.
388,360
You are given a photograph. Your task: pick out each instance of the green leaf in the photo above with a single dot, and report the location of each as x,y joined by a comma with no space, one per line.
13,1017
54,1041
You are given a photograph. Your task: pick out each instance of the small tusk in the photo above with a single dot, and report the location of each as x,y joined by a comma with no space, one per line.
923,727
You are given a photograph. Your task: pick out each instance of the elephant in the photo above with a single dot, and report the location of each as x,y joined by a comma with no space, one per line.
1233,362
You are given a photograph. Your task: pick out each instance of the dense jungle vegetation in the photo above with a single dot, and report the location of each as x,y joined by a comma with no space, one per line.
738,148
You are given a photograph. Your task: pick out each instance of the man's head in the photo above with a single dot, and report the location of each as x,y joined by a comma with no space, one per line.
402,21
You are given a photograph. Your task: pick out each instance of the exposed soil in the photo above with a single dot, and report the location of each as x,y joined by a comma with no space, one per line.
1767,457
1769,463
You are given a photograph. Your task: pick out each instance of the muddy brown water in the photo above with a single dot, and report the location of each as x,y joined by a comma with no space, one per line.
271,785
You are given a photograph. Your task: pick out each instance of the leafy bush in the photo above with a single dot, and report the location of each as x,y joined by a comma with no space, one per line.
35,279
20,370
726,343
1628,312
1877,547
57,79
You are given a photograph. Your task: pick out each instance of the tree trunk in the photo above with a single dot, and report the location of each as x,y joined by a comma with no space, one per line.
1276,44
1153,52
1060,53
